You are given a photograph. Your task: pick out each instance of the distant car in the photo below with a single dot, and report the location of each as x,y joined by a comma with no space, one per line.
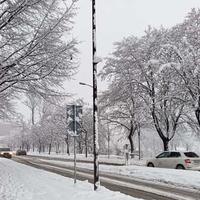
21,153
7,155
176,160
5,152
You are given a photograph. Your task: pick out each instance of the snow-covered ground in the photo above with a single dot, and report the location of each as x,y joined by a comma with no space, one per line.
20,182
104,158
178,178
113,159
137,170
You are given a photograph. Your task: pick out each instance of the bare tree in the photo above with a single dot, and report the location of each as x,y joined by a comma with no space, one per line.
136,62
120,104
33,51
32,102
183,55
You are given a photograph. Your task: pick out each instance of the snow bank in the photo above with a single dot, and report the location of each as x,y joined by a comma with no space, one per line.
136,169
102,158
180,178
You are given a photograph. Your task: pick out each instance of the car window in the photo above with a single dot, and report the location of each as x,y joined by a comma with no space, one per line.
163,155
191,154
174,155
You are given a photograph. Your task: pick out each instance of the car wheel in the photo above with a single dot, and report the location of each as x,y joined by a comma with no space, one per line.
180,167
150,165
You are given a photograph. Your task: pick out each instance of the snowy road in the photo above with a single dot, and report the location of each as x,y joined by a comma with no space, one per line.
136,188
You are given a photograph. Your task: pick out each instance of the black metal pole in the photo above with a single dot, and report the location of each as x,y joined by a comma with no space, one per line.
108,141
86,144
74,159
139,139
95,123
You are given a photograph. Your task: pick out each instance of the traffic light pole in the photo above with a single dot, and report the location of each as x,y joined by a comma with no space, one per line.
95,123
74,110
74,114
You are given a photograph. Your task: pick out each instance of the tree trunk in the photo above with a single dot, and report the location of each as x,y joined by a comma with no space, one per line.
58,148
33,115
139,142
49,148
22,146
197,114
131,143
160,133
68,152
130,138
27,147
40,147
108,145
79,147
67,143
165,144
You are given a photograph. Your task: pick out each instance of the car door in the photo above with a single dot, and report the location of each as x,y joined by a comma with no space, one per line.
173,159
162,159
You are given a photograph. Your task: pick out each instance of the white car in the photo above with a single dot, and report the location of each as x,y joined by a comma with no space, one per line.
176,160
5,152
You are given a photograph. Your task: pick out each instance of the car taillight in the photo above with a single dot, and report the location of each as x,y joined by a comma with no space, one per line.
187,161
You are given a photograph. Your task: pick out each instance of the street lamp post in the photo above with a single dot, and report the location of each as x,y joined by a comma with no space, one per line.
95,123
95,61
95,130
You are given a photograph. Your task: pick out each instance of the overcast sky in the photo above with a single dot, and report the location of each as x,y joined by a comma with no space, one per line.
117,19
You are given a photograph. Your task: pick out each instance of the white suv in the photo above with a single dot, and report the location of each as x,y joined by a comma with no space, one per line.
176,160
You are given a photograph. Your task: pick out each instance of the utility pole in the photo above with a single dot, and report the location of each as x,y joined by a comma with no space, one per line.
86,143
108,140
95,122
139,140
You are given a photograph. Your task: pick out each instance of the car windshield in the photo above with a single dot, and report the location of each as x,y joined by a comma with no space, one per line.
191,155
4,149
163,155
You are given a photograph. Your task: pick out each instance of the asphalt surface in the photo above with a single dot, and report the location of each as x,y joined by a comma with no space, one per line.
136,188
